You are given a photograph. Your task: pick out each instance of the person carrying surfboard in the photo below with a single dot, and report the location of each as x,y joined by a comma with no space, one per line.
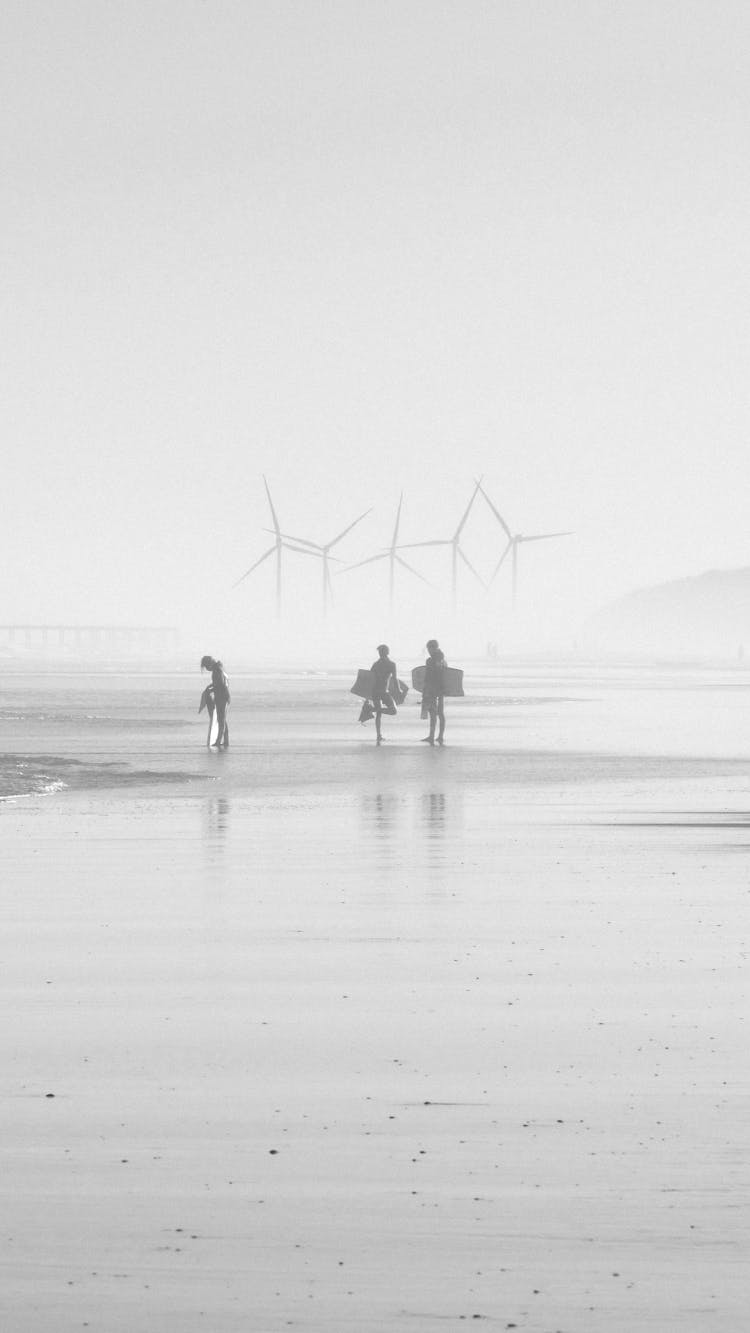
434,692
383,670
219,688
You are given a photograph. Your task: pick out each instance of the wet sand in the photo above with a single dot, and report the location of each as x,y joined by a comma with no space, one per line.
397,1039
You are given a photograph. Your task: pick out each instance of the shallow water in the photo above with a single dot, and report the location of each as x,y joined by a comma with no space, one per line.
545,724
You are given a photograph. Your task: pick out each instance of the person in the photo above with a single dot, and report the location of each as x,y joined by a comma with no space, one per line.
433,692
383,671
219,688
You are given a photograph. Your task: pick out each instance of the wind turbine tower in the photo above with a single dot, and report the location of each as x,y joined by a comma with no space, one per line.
279,544
323,552
455,544
393,558
514,541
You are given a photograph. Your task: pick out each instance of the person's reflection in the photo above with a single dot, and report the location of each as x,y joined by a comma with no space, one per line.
379,822
433,813
217,820
216,877
441,819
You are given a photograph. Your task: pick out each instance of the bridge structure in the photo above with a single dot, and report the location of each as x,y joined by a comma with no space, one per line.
128,638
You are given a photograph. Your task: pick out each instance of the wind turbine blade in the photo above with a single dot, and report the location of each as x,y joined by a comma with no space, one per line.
544,536
411,546
500,562
497,514
351,525
383,556
398,520
301,550
259,561
301,541
469,565
412,570
467,511
273,511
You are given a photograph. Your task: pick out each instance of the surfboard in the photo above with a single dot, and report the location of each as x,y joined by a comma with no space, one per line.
453,681
362,686
398,690
207,701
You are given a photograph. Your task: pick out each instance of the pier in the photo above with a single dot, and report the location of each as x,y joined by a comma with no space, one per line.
87,638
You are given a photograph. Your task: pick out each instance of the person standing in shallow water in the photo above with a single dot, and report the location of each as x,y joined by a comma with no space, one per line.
222,698
434,692
382,700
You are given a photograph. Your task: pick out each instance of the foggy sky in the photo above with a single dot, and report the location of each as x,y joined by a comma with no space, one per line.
366,247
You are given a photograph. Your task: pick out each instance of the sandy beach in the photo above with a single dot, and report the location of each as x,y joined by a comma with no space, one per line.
314,1035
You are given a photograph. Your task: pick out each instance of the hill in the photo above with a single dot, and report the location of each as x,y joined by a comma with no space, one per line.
706,615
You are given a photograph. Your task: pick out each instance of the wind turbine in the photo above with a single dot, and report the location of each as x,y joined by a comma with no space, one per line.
392,556
454,543
515,540
278,547
323,552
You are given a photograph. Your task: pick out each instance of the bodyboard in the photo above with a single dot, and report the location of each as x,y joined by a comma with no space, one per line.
453,681
398,690
362,686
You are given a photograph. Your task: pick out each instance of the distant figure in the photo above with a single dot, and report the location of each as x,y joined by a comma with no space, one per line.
219,691
383,671
432,695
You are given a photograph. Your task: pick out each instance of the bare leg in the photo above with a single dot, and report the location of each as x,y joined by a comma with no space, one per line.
433,715
441,717
221,717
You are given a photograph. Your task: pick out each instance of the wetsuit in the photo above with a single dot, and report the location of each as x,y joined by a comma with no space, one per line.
432,694
382,670
222,698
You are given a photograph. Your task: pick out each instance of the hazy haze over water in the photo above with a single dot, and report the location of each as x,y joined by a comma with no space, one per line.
361,247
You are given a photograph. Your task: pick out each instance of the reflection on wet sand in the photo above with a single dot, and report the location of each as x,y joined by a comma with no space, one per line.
216,821
433,813
436,818
379,820
441,818
383,814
